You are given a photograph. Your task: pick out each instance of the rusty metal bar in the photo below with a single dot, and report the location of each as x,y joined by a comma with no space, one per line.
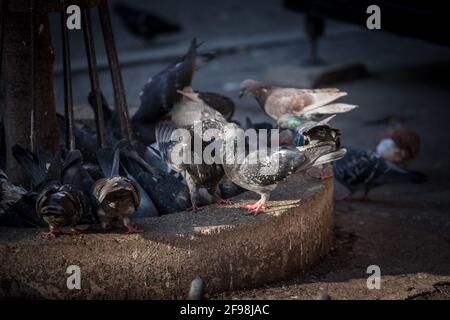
119,92
3,6
93,76
68,98
33,75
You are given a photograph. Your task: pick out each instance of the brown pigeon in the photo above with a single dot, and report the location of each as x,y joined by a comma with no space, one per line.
399,144
277,101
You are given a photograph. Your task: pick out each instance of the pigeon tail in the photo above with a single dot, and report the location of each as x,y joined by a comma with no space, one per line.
398,175
29,163
322,98
333,108
163,133
105,158
330,157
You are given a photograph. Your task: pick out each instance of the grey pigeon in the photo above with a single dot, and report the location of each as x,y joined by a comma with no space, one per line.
58,204
61,205
365,170
168,193
297,128
278,101
190,109
297,132
17,205
219,102
118,196
199,175
160,92
261,170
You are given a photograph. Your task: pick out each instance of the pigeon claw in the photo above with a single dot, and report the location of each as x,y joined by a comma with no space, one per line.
223,201
255,209
50,234
131,229
194,208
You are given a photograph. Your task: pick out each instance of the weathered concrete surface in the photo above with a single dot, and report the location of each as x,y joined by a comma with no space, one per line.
227,248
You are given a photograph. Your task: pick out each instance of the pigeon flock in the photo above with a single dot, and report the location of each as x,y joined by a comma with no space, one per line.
144,177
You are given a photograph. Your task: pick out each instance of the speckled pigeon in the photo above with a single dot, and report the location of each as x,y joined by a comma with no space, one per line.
262,169
365,170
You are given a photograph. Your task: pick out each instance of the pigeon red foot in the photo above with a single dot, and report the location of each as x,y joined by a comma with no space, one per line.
255,209
223,201
51,233
194,208
132,229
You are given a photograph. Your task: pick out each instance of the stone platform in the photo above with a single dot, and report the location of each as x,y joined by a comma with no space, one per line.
221,244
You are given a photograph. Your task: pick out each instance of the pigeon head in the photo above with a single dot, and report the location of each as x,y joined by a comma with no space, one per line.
254,88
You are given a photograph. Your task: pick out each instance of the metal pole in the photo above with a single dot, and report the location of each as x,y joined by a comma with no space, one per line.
68,99
119,93
33,74
93,76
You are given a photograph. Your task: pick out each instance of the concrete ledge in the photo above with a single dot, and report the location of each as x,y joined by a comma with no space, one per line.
227,248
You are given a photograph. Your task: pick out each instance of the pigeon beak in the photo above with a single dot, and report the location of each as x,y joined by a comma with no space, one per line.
241,93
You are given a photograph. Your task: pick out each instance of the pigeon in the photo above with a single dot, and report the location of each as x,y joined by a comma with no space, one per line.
61,205
147,208
277,101
257,126
198,174
111,117
85,139
75,174
144,133
117,196
160,93
58,204
365,170
190,109
219,102
229,189
142,23
17,205
262,169
169,194
399,144
297,131
35,165
292,128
